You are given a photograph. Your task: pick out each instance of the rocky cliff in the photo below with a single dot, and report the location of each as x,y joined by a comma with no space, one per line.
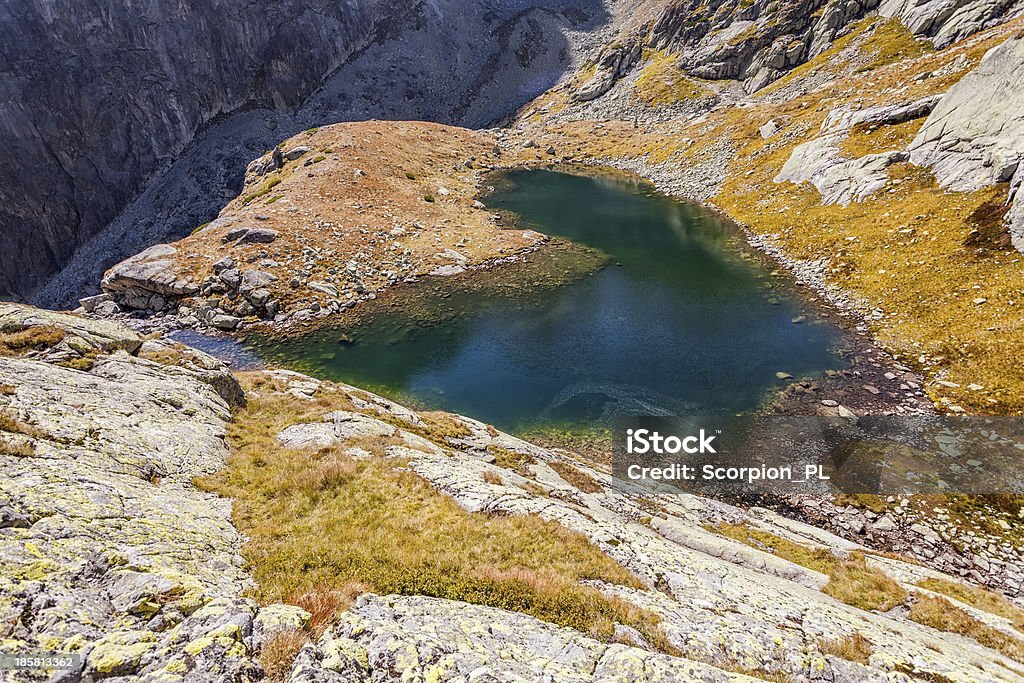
758,42
148,112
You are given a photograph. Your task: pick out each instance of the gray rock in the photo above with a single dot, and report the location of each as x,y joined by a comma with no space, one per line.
224,321
82,334
975,136
231,277
151,271
947,21
255,279
769,129
90,303
295,152
249,236
223,264
840,180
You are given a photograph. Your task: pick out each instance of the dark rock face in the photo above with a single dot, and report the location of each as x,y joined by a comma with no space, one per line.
755,42
101,103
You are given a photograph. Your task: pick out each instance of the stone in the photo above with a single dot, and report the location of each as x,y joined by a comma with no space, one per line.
975,137
259,297
769,129
152,271
250,236
277,618
255,279
223,264
324,288
295,152
226,322
90,303
81,332
107,309
231,277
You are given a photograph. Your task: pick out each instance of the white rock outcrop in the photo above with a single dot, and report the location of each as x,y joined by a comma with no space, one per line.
947,21
975,137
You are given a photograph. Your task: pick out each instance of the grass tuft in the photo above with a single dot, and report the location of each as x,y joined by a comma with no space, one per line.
581,480
35,338
981,598
850,580
853,647
278,654
942,615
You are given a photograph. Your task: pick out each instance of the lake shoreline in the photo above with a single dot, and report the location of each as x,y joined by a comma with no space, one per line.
866,386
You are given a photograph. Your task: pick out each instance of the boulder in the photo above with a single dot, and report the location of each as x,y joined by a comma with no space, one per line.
947,21
975,136
226,322
81,333
153,271
255,279
249,236
295,152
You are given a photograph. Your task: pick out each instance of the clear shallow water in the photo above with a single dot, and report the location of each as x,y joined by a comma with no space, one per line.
678,322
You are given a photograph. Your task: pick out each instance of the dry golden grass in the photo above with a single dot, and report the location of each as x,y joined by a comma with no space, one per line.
854,582
35,338
851,580
513,460
278,654
10,423
492,477
853,647
15,436
978,597
442,426
662,82
581,480
321,523
942,615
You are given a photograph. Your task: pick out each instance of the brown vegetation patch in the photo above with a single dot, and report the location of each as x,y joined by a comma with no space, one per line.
853,647
578,478
942,615
320,522
35,338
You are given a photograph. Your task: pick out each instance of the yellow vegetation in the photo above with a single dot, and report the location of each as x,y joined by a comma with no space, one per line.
943,615
35,338
978,597
662,82
851,580
581,480
322,525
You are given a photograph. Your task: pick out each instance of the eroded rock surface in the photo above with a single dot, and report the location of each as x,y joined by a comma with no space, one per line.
975,136
107,548
422,638
947,21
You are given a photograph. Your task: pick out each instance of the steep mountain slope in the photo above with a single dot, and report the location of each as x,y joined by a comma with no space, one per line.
172,99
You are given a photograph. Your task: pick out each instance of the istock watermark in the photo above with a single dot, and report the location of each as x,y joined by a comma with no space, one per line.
886,455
